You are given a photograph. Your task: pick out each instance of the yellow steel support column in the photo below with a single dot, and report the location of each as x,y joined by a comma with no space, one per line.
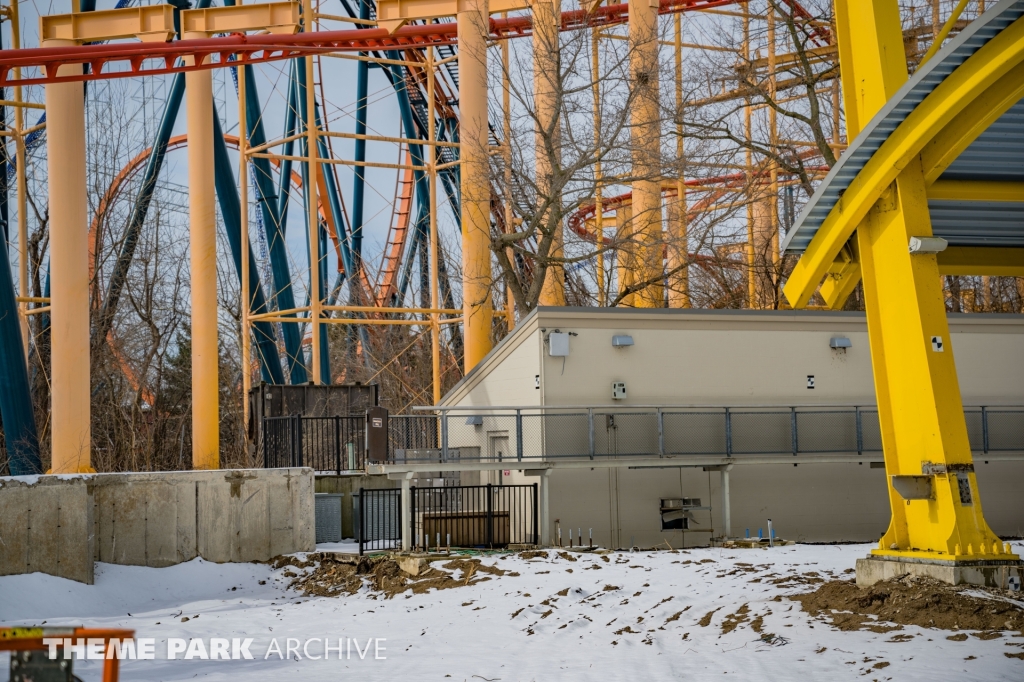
312,205
678,245
506,151
645,139
546,86
203,264
69,268
748,131
936,508
773,173
625,257
761,230
595,56
478,310
435,297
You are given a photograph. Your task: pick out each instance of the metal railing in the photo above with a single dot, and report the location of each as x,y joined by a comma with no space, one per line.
524,434
518,434
338,444
473,516
379,522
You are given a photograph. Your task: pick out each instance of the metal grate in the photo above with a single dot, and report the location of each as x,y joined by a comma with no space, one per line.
327,513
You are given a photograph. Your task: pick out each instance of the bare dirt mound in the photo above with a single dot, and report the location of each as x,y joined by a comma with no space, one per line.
910,600
332,576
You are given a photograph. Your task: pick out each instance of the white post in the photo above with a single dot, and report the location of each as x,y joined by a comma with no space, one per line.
406,515
726,504
405,501
544,510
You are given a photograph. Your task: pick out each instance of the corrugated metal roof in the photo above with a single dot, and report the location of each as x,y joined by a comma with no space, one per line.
997,154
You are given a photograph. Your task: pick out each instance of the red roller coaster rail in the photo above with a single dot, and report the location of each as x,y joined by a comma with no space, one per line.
151,59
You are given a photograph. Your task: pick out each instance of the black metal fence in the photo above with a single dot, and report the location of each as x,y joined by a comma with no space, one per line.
481,516
484,516
379,522
323,443
338,443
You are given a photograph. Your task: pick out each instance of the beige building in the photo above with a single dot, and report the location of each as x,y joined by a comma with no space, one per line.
673,374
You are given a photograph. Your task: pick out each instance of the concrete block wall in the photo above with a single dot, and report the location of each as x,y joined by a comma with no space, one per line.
61,524
46,527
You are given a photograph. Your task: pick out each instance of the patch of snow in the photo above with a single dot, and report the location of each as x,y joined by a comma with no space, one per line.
639,615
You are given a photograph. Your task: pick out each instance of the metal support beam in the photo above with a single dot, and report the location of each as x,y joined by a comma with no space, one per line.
644,229
203,271
231,212
924,432
547,71
16,414
273,17
69,270
473,28
152,23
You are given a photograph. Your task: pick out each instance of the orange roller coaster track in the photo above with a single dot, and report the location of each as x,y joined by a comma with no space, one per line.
163,58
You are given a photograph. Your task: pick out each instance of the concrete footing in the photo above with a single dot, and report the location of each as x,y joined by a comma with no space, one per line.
1004,575
60,525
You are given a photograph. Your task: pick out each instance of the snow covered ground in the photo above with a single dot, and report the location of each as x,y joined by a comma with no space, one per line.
637,616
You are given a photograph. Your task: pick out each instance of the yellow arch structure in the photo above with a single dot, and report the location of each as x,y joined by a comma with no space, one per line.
859,227
937,131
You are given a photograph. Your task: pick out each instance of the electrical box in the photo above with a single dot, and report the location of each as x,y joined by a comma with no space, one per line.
618,390
377,434
558,345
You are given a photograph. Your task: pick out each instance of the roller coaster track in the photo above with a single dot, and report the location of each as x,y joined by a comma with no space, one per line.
398,229
162,58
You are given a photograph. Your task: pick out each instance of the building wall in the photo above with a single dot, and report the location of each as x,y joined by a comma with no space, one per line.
809,503
728,358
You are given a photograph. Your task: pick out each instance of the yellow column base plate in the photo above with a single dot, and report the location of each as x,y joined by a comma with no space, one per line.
943,556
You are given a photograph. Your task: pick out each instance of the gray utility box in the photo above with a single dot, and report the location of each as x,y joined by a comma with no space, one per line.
328,517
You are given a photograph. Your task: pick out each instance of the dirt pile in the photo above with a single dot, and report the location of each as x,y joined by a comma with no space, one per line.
911,600
327,575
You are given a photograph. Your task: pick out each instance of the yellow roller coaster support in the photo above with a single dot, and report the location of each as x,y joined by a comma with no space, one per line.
936,508
153,23
475,184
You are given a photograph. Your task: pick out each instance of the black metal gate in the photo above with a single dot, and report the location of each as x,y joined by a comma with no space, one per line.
379,522
482,516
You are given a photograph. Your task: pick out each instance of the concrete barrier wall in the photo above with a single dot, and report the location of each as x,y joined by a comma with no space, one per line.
61,524
46,526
